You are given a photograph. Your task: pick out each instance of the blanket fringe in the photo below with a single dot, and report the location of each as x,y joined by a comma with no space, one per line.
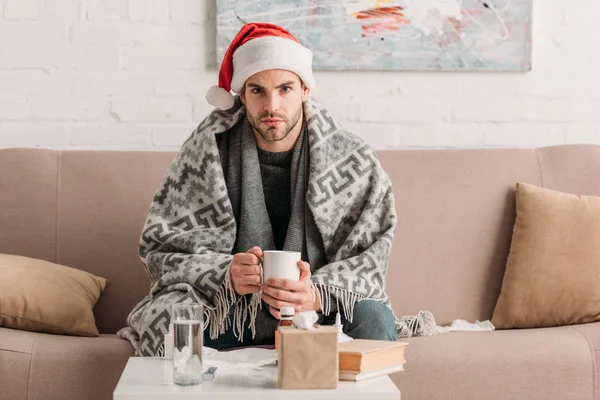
346,298
422,324
219,316
243,311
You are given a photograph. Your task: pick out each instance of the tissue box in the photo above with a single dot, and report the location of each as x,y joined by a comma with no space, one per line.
308,359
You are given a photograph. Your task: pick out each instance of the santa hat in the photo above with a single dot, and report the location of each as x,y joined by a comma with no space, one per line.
258,47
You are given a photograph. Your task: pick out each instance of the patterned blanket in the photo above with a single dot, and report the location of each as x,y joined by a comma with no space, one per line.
191,231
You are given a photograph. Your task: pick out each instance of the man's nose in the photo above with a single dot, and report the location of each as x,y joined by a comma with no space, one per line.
272,104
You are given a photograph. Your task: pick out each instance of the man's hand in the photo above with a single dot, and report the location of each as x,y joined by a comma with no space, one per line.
245,271
300,294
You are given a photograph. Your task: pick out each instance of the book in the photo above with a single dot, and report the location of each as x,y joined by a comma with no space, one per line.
354,376
362,355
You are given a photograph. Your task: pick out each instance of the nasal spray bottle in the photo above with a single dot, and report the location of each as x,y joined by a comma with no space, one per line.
168,343
342,337
287,316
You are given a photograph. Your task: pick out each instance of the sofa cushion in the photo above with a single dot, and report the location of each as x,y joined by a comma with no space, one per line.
553,271
533,364
40,296
39,366
15,355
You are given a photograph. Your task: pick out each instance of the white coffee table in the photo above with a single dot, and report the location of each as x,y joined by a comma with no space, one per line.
151,378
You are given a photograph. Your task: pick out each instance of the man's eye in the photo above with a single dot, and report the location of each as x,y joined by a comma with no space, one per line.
286,89
256,91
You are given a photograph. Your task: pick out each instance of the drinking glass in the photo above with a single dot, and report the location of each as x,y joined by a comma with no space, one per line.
187,344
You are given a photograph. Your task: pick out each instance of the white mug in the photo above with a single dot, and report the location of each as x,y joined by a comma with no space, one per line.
280,264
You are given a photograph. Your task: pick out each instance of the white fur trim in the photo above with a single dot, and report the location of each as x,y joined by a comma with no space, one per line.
220,98
271,52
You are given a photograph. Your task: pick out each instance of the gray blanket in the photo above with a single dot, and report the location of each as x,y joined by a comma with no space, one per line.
196,222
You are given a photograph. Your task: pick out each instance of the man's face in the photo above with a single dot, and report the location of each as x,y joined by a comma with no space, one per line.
273,100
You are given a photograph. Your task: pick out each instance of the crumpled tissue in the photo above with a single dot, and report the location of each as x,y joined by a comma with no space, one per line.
462,325
186,363
306,320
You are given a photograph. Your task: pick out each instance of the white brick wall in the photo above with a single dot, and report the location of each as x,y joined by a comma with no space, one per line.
131,74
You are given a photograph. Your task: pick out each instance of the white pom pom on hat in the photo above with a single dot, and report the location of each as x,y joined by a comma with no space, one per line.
258,47
220,98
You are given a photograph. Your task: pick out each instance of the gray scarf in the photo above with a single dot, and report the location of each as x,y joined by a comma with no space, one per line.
344,227
237,148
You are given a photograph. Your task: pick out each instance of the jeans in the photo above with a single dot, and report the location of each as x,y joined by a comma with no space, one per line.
228,340
371,320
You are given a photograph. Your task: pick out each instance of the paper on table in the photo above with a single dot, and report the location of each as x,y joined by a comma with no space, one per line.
462,325
247,358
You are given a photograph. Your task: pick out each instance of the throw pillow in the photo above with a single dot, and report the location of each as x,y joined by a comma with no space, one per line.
41,296
553,271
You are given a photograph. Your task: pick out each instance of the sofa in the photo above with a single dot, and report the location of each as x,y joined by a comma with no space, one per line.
456,211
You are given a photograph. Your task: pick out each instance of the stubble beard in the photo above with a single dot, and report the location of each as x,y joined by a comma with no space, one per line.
272,133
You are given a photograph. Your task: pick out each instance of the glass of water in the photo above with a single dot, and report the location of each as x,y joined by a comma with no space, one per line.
187,344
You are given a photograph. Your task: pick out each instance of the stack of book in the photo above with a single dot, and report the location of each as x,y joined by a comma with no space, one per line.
363,359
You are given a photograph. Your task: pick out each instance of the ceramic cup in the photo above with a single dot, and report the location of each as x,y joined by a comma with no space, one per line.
280,264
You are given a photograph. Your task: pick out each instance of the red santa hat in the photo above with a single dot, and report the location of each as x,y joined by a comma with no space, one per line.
258,47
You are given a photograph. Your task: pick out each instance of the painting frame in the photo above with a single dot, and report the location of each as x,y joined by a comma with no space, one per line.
395,35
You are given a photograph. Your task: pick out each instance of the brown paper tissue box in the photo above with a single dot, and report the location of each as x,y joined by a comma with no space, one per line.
308,359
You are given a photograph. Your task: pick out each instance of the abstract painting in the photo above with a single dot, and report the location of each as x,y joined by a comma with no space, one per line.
395,34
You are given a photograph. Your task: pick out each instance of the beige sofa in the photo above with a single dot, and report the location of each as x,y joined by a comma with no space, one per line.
456,211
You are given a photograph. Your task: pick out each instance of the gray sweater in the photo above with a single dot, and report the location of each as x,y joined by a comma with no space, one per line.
275,170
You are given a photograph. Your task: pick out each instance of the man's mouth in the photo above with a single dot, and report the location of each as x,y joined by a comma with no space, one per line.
271,121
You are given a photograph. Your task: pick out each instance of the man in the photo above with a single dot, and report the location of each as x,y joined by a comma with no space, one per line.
269,170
